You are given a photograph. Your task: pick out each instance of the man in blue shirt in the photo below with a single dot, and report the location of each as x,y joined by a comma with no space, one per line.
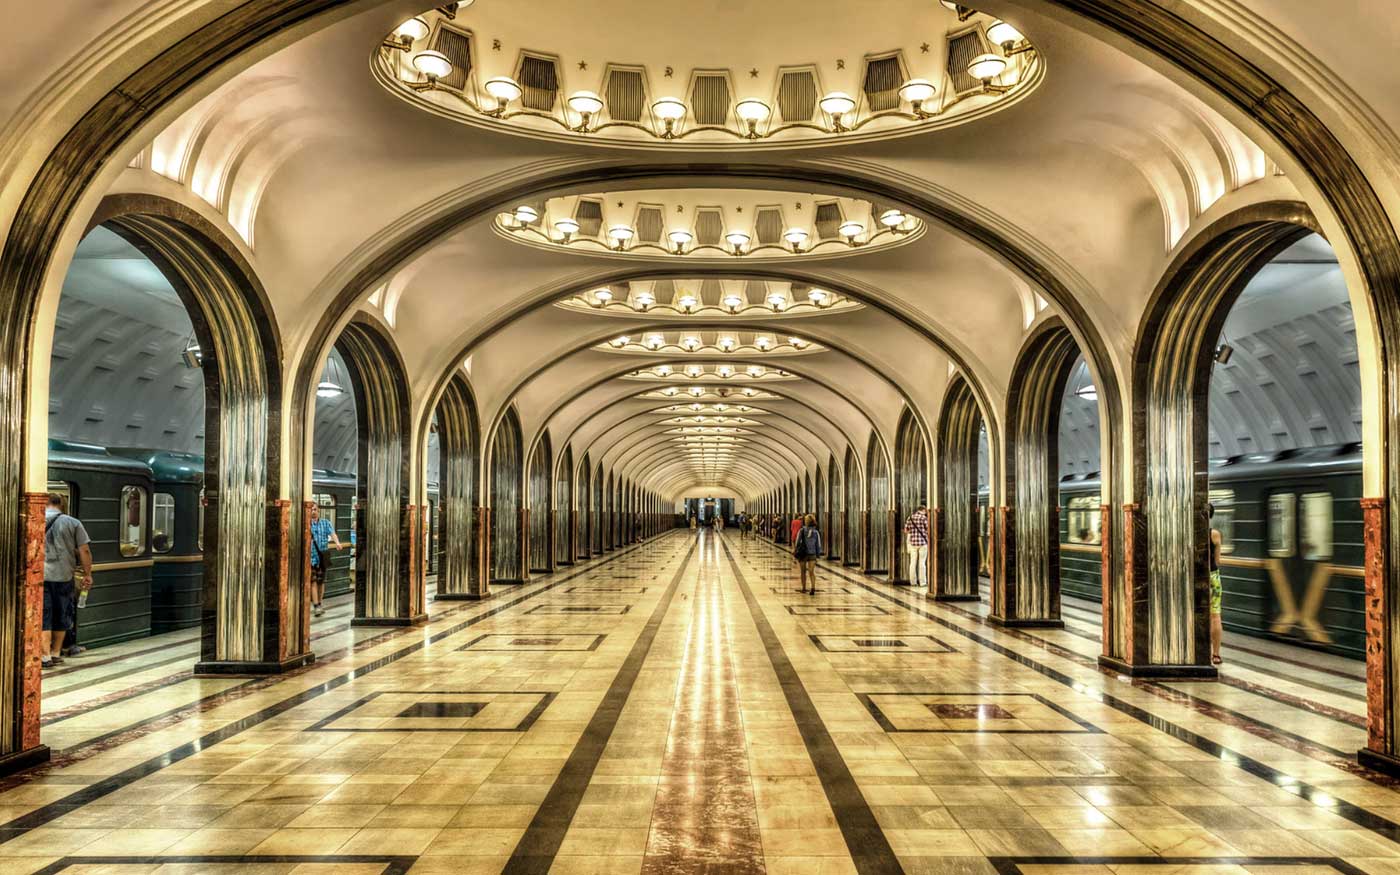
323,539
66,552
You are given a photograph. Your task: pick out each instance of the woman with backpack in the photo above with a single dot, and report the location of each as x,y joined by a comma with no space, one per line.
807,548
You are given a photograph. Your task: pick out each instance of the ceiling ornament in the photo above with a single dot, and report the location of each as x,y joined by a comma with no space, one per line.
708,298
708,343
652,94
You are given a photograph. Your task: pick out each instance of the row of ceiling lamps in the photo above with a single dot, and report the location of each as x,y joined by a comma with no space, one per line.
691,344
435,66
725,371
895,221
697,391
687,303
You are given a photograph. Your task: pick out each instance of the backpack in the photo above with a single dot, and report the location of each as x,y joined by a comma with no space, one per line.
809,542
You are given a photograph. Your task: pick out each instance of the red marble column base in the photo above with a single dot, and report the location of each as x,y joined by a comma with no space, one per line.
304,632
34,638
1003,566
1379,752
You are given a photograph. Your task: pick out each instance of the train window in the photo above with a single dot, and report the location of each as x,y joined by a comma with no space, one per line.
1283,523
1317,526
1085,520
133,521
163,523
326,502
1223,500
65,489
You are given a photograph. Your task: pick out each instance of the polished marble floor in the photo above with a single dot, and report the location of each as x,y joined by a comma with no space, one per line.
678,706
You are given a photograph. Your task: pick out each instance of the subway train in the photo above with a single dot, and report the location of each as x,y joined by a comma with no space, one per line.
144,511
1292,553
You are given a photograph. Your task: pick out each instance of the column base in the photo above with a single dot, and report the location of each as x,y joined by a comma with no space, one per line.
1161,672
226,667
389,621
24,759
1018,623
461,597
1386,764
957,597
507,582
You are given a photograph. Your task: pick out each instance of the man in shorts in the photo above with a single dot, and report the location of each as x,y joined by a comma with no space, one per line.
65,551
323,539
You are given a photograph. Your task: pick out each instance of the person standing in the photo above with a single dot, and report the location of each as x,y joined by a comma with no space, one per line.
806,547
916,545
323,539
794,526
1217,590
66,551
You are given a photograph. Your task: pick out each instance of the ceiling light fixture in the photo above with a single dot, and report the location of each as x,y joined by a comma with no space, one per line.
691,344
602,296
733,302
655,342
692,371
817,296
763,342
687,303
892,218
836,104
643,300
567,227
680,238
726,343
505,90
622,341
433,66
737,239
1008,37
917,92
526,214
985,68
851,229
752,112
620,234
796,237
796,342
778,301
670,110
586,104
406,34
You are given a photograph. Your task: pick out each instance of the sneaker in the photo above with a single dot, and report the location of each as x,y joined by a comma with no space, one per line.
45,662
55,660
317,611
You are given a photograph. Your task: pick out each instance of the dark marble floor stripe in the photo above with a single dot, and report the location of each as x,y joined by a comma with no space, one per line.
393,865
1012,865
535,853
1354,813
72,802
866,841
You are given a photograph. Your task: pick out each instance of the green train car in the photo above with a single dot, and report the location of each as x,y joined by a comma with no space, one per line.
144,510
1292,556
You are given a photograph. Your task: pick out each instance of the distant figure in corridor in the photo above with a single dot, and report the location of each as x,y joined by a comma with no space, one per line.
694,524
66,552
916,545
1216,590
794,527
806,548
323,539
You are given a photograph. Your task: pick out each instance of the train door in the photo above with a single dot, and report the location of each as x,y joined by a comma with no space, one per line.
1298,529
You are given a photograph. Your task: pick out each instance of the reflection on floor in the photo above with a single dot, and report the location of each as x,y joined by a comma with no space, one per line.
678,706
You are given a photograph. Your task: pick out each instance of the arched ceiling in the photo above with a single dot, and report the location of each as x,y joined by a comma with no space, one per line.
352,189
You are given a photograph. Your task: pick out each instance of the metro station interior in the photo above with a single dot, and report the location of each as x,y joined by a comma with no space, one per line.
372,370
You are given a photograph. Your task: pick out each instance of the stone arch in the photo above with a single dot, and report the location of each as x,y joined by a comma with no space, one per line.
835,548
388,589
464,522
245,611
509,515
598,509
1167,609
586,520
911,476
955,520
1027,588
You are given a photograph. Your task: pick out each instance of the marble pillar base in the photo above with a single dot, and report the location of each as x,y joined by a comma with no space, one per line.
1019,623
461,597
24,759
1161,672
957,597
223,668
1376,761
390,621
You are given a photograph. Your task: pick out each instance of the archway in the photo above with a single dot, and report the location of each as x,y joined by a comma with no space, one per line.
464,524
1167,609
508,511
587,520
820,504
1027,587
541,518
958,555
598,510
388,592
565,514
911,472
